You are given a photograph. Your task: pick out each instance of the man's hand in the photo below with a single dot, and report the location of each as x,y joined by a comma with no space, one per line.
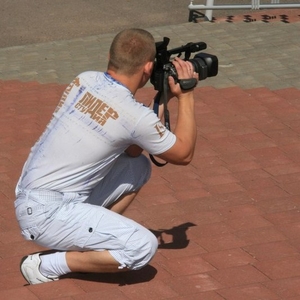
184,70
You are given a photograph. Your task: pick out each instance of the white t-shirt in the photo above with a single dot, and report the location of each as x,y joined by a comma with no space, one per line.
96,119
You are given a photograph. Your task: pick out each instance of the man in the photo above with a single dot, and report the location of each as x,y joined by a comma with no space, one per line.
88,166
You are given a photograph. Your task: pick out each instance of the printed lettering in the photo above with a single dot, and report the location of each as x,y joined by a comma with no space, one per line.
76,81
112,114
67,91
85,102
98,110
160,129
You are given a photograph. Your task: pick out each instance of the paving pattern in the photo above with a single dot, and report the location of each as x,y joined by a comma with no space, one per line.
229,223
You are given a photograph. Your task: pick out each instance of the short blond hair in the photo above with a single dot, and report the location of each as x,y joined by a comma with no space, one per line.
130,50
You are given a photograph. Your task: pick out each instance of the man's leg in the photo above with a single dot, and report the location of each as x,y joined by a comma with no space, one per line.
121,185
132,245
93,262
122,203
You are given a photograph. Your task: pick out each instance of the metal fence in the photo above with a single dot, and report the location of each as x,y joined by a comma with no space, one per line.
255,5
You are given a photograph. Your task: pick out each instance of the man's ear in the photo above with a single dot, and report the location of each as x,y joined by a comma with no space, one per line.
148,68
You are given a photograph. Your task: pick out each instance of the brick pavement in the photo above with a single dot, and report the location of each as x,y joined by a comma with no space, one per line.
228,224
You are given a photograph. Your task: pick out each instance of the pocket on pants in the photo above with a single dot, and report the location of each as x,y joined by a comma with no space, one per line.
87,231
105,230
31,234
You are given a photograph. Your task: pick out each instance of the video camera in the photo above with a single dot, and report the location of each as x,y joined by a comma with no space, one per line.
206,65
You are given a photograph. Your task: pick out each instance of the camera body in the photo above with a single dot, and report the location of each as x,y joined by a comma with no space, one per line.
206,65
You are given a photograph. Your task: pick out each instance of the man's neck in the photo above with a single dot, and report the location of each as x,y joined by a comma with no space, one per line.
132,82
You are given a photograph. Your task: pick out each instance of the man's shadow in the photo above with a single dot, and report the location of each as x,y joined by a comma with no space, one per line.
178,241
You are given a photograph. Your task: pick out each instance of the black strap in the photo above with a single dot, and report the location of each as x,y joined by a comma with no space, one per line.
166,113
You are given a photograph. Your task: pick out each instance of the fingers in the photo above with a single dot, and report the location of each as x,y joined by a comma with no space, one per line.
174,87
172,83
184,69
196,75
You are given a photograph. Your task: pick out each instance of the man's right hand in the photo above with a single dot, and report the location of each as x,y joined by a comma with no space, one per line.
184,70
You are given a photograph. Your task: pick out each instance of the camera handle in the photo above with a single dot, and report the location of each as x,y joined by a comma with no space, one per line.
157,98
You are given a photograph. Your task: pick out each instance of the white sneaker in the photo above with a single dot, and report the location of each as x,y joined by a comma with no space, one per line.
30,269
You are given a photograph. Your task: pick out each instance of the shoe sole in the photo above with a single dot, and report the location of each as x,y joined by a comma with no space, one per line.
22,260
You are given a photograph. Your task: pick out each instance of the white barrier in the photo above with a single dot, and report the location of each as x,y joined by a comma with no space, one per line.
255,5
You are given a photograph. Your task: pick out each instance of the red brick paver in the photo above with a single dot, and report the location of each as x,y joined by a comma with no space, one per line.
228,224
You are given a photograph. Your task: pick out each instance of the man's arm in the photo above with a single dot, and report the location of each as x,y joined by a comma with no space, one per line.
182,151
135,150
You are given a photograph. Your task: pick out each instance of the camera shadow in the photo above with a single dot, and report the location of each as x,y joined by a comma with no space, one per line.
178,235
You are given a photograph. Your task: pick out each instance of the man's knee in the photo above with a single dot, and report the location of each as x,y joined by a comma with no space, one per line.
152,245
148,249
139,250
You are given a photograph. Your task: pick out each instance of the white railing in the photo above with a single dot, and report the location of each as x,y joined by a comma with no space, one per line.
255,4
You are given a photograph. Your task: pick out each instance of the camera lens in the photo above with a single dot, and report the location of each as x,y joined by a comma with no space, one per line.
206,65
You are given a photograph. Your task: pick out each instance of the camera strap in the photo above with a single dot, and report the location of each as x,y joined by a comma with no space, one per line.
157,98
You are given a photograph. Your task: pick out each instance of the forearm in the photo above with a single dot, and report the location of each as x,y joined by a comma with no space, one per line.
186,129
181,153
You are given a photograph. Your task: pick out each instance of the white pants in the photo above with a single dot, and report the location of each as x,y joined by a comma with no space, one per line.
70,221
